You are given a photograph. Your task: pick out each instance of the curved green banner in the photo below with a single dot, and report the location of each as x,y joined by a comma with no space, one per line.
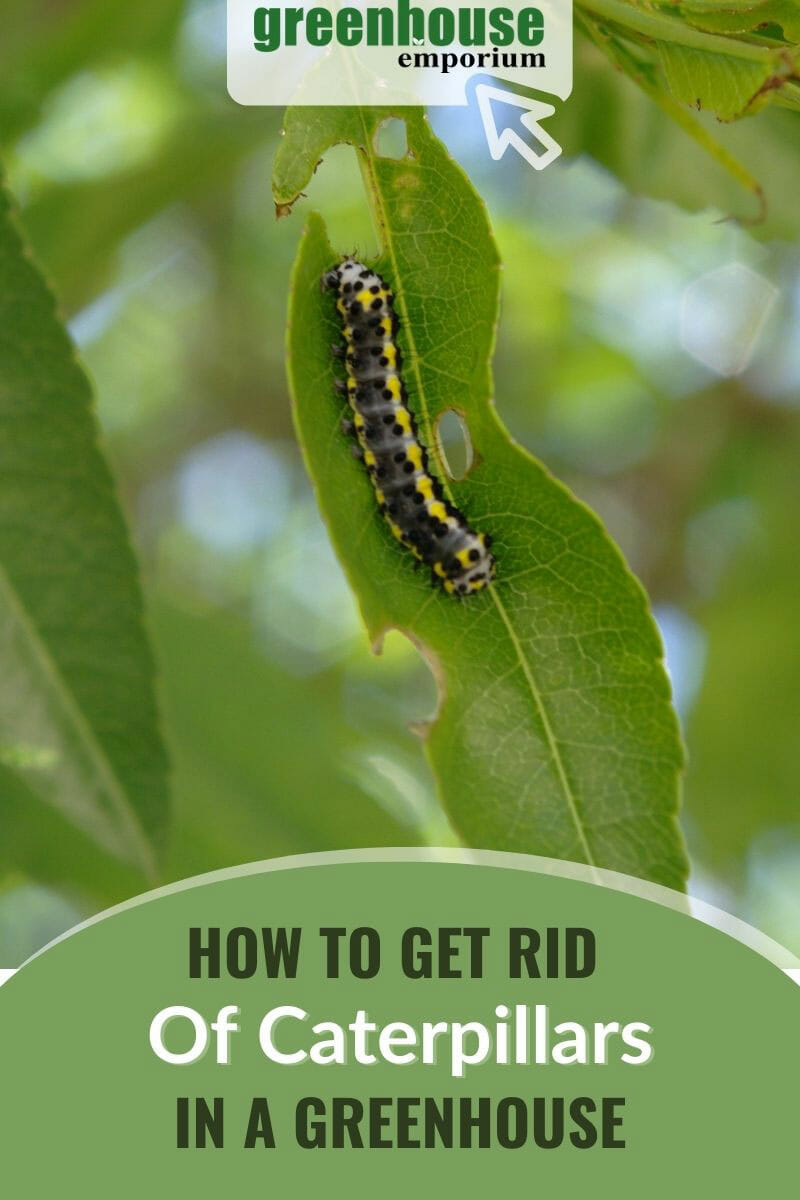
392,1024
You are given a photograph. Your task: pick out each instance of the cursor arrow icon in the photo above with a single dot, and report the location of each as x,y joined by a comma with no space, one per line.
499,139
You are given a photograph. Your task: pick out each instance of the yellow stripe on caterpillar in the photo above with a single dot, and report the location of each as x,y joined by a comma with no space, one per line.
402,418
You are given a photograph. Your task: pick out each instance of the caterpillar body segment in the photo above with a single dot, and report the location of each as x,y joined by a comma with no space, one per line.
409,496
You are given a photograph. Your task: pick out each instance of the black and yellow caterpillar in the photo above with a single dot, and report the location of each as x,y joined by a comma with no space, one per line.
409,496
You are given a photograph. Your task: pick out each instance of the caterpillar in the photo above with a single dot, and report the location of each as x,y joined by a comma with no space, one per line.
409,496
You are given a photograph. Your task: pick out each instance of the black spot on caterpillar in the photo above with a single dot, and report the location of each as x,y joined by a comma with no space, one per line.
409,496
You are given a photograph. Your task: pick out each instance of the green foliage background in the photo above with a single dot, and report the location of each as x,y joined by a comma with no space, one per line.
144,194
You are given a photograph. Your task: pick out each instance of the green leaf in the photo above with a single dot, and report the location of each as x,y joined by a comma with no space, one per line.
555,734
727,86
38,842
78,725
675,61
644,76
727,17
645,25
721,6
618,119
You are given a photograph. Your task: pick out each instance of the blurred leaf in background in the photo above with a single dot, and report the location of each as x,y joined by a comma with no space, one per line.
174,276
80,743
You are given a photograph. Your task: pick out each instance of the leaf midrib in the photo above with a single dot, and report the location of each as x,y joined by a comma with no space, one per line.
367,158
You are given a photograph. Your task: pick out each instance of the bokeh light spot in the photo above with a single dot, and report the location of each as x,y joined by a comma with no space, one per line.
233,491
723,314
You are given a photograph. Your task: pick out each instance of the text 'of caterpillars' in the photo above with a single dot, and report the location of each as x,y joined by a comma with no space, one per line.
409,496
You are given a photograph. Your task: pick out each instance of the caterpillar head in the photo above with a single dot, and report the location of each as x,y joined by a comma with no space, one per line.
347,275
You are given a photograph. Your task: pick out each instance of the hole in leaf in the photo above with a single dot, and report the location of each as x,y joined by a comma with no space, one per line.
454,443
391,140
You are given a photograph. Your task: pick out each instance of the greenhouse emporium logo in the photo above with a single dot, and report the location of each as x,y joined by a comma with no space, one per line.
401,52
488,30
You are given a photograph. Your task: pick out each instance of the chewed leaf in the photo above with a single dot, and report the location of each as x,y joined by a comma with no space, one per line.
555,734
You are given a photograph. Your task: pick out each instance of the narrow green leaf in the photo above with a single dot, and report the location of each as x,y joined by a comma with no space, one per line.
38,843
729,87
688,54
721,6
642,73
782,13
654,25
738,18
614,117
78,721
555,734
